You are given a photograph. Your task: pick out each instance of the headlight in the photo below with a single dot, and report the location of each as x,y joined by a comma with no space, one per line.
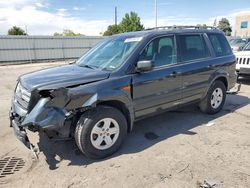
22,93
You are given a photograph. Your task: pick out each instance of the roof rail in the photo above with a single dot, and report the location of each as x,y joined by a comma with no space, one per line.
182,27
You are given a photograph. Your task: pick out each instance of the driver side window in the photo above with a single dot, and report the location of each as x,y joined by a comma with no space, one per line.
160,51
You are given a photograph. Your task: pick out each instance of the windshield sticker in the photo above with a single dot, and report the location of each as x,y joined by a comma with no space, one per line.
135,39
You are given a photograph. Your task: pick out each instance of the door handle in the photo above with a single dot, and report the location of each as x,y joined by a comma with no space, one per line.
174,74
210,66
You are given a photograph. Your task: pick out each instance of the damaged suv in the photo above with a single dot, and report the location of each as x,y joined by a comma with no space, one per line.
124,78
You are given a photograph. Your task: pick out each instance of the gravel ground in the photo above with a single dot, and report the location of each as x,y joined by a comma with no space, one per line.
180,148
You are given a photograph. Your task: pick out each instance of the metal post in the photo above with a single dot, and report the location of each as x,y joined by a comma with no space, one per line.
34,48
63,49
29,51
115,15
155,13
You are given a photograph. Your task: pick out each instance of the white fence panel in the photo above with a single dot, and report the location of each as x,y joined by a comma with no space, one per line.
36,48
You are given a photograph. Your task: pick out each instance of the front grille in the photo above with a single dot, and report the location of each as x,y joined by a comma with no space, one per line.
22,96
243,60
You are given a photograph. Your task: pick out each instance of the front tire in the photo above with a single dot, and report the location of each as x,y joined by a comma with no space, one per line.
215,98
100,132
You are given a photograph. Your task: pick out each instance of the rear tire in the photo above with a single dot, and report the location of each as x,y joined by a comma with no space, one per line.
100,132
215,98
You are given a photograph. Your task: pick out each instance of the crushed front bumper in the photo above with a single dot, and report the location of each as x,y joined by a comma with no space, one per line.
21,135
41,118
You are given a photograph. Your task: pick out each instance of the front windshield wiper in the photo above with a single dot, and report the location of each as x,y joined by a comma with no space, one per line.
89,66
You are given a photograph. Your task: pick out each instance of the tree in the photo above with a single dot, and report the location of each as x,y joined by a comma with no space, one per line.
67,32
112,29
16,31
224,26
130,22
58,34
202,26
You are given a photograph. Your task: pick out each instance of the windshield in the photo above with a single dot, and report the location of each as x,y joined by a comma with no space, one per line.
109,54
237,42
247,47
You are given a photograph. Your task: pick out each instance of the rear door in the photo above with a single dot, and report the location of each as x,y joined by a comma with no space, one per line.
196,65
159,88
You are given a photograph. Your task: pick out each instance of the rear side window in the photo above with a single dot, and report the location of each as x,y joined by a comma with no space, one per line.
193,47
220,44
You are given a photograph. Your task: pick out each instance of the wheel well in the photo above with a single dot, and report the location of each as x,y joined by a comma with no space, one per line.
120,106
224,80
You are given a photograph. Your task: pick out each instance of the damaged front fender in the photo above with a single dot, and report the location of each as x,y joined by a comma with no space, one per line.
50,111
45,117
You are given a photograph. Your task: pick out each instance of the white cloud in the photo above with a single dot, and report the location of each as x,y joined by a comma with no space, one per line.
185,20
14,2
79,8
21,3
41,22
62,12
40,5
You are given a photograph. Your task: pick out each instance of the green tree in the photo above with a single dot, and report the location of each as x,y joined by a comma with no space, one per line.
112,29
67,32
224,26
58,34
16,31
203,26
131,22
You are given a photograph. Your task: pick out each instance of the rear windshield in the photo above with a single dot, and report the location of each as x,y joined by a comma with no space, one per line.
220,44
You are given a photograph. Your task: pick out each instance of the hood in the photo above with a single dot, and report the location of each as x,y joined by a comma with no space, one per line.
242,53
61,76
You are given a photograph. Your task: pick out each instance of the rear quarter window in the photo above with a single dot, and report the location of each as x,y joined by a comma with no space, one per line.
220,45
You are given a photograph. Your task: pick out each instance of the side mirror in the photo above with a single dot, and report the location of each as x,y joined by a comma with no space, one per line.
143,66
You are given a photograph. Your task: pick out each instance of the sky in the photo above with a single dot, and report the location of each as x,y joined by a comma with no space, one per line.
45,17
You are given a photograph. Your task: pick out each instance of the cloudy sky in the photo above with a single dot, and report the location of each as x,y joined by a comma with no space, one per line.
44,17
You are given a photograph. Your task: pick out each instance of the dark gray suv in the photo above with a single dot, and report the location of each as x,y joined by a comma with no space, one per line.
124,78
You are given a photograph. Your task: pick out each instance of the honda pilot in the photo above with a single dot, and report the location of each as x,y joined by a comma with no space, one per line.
126,77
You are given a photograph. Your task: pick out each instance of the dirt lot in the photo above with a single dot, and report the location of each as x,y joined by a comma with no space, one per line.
175,149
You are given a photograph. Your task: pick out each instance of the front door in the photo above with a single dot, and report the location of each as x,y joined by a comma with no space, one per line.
159,88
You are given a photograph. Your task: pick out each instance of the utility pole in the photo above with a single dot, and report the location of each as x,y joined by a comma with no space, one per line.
28,44
155,13
26,29
215,22
115,15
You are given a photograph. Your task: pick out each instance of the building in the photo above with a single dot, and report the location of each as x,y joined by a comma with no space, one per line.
242,25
